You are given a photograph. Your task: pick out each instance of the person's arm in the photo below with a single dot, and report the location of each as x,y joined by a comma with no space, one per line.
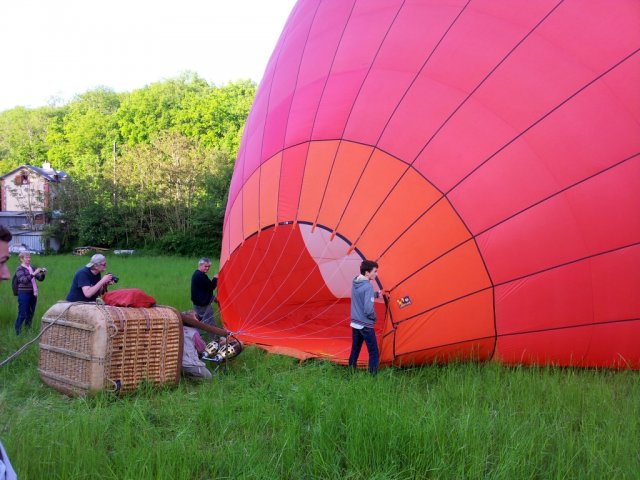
90,291
190,320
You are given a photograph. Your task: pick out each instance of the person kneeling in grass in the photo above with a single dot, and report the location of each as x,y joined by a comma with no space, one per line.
193,344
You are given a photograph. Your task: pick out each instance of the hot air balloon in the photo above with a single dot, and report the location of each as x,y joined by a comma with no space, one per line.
486,153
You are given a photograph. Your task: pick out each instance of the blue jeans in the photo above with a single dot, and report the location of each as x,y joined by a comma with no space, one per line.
368,336
26,308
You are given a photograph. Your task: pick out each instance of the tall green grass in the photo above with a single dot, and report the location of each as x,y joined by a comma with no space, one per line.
269,416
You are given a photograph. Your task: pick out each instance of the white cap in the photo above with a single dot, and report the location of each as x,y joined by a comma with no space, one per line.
97,258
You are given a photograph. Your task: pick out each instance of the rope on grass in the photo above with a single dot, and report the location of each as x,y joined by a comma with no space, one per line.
26,345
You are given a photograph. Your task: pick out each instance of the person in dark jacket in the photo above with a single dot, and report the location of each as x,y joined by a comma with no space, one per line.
87,284
26,278
202,291
363,316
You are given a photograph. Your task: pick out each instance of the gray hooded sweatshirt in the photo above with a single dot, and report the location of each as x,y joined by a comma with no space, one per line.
362,302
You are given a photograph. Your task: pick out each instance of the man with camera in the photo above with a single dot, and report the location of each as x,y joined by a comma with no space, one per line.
87,284
26,290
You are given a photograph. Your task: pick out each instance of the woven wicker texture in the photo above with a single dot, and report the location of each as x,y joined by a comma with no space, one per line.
93,347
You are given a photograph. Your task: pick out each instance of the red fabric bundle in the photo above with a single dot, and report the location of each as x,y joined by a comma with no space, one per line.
129,297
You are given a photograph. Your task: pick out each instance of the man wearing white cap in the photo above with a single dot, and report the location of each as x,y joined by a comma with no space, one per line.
87,284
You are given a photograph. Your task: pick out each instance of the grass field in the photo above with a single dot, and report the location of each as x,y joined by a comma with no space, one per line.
270,417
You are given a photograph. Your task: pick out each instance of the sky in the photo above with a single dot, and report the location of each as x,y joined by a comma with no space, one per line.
51,50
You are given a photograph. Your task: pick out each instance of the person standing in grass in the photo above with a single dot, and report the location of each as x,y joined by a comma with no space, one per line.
202,291
26,278
6,470
363,316
87,285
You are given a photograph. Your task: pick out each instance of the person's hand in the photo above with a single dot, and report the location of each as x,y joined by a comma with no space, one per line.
107,279
189,315
38,271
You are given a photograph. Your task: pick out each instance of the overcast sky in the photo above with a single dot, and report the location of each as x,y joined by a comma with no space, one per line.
57,49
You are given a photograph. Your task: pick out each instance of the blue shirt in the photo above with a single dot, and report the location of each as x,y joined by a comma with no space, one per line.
83,278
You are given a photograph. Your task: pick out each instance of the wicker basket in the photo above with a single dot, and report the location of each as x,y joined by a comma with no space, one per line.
94,347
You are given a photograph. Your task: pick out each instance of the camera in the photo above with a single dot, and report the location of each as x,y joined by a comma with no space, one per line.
40,275
114,279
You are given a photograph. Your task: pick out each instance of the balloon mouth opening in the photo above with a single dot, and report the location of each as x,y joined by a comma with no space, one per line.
290,289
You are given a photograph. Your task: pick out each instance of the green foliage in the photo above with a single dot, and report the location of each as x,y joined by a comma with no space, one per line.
152,109
271,417
82,139
217,116
95,225
65,213
150,168
23,135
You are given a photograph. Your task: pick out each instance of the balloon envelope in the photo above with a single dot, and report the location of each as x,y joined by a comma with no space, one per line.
486,153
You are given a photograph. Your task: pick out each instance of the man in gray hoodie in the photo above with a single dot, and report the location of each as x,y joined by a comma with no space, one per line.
363,316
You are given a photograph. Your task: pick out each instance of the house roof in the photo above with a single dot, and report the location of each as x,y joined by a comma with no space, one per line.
48,174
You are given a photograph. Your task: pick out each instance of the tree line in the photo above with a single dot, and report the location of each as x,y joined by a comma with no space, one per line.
147,169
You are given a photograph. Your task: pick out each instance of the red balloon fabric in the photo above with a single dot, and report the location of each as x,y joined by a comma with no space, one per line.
486,153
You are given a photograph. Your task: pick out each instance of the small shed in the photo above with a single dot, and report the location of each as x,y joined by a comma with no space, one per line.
33,241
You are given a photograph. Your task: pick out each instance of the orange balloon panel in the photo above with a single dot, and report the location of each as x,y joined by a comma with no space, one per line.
349,163
434,234
251,206
402,207
269,185
291,173
372,187
476,350
449,278
234,221
472,315
486,154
